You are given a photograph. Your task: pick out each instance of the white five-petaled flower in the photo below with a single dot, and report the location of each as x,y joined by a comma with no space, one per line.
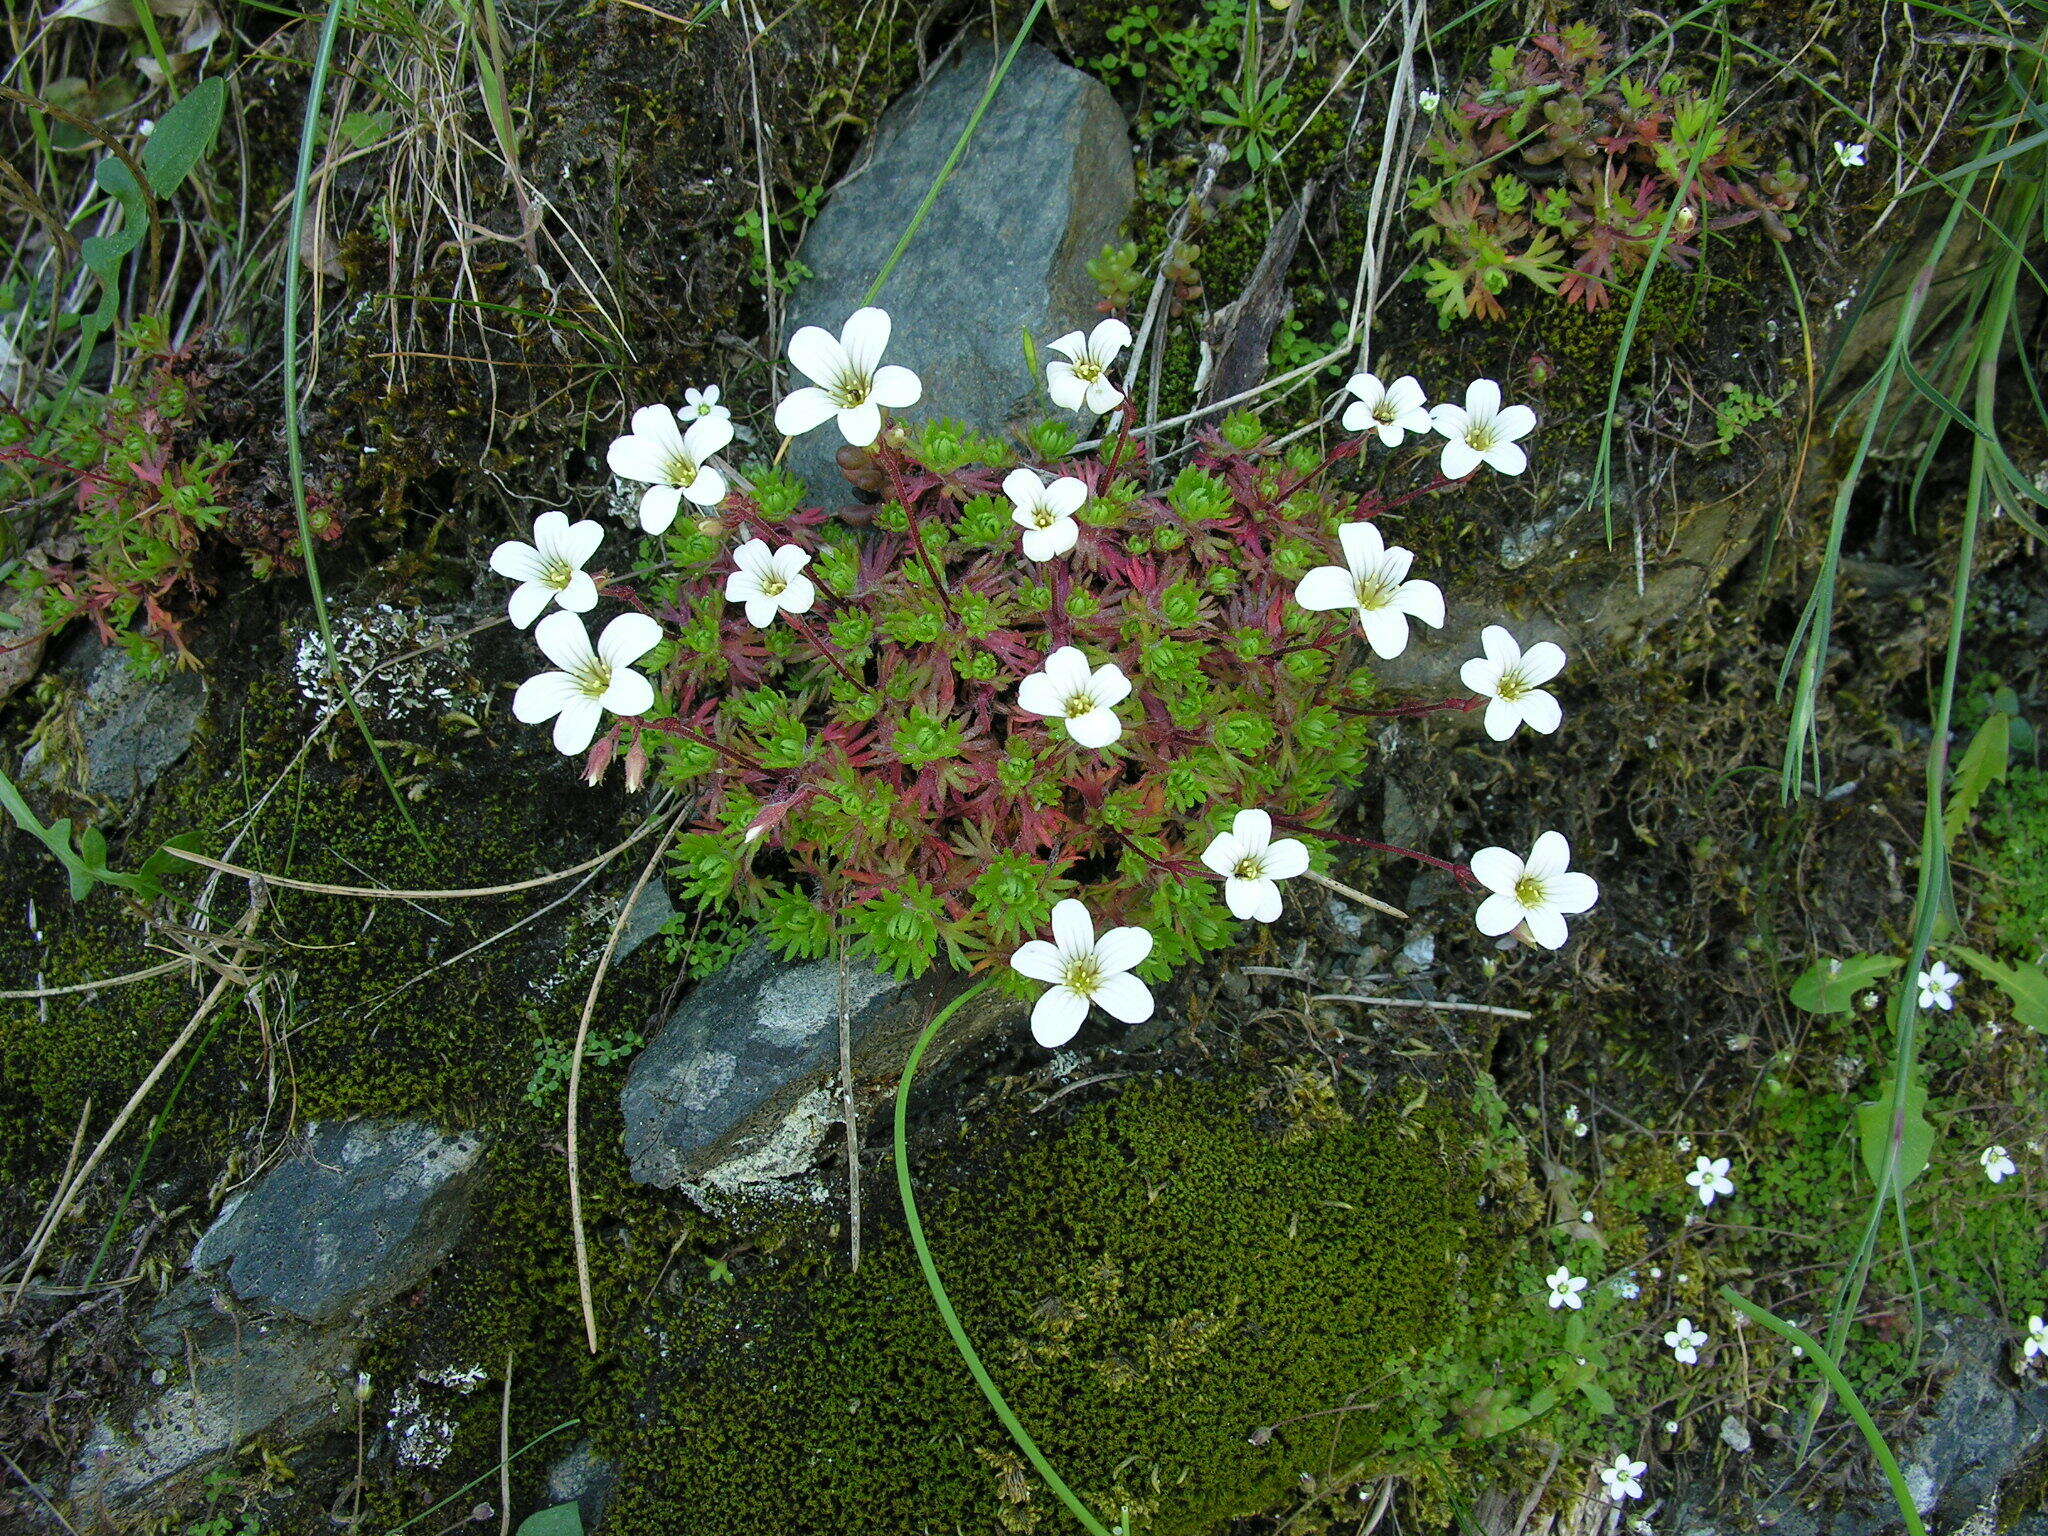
1080,379
1084,969
1998,1167
1623,1477
1565,1288
590,681
1045,512
1535,894
1938,986
671,461
1392,410
1482,431
770,581
702,405
1710,1177
848,379
1849,156
1511,680
1374,580
1429,101
1066,689
1253,865
1685,1341
550,569
2037,1337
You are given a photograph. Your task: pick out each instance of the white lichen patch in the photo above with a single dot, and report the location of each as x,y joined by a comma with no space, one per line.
438,682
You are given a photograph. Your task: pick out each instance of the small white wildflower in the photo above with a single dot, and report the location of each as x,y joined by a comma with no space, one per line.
1849,156
1685,1143
1626,1287
1253,865
1429,101
849,382
1066,689
591,680
673,463
1798,1351
1374,580
702,405
1565,1288
1685,1341
1045,512
770,582
1586,1217
2037,1337
1997,1166
1710,1177
1938,987
1390,410
1993,1028
1533,895
1080,378
1623,1477
550,569
1656,1272
1084,970
1671,1426
1482,431
1511,680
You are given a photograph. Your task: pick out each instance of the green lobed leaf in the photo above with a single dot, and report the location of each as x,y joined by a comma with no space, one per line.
1874,1130
2025,984
1830,986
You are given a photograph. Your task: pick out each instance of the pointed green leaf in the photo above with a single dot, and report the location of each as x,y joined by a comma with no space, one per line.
1874,1130
182,136
561,1520
1983,764
1830,986
2025,984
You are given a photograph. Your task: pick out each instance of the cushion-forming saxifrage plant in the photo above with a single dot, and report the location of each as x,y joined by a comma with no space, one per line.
1561,172
924,726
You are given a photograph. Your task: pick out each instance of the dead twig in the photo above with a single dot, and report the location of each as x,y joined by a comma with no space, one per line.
1420,1002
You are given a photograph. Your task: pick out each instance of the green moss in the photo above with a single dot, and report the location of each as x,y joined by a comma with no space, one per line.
1176,1270
2017,827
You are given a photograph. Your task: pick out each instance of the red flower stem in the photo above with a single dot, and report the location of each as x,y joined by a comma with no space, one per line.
1062,628
888,457
1348,449
1408,711
673,727
1462,872
1127,413
825,648
1438,484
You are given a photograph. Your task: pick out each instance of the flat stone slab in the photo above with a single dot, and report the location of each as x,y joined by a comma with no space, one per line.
744,1041
1045,184
131,726
358,1216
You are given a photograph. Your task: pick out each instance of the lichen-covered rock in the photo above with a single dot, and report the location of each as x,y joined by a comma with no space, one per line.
223,1378
130,727
1046,182
361,1214
749,1040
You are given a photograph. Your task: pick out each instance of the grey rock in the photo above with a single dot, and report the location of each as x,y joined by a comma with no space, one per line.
224,1378
1046,183
585,1478
744,1043
650,912
130,727
360,1215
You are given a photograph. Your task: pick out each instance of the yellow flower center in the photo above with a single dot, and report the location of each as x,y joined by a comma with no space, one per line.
1376,591
1529,892
773,585
1481,436
1045,517
1087,369
594,677
1384,411
851,389
1513,686
1250,867
556,572
682,471
1083,975
1080,704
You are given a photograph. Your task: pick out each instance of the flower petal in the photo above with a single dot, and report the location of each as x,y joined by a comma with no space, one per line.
896,387
1572,891
520,562
1073,930
627,638
862,424
1545,927
1542,661
577,723
1066,495
542,697
708,489
1057,1017
1482,399
1254,829
1103,396
1362,545
635,458
1507,458
1123,949
1481,675
1386,631
1108,338
1038,695
1073,344
1502,718
1096,729
1064,385
1109,686
580,596
1038,960
1498,915
707,435
802,410
1223,852
1540,709
658,508
865,336
629,694
1497,869
564,641
1450,420
1286,858
529,600
1358,417
1252,901
1023,487
816,353
1458,459
581,540
1124,998
1516,421
1069,670
1552,855
799,595
1326,587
